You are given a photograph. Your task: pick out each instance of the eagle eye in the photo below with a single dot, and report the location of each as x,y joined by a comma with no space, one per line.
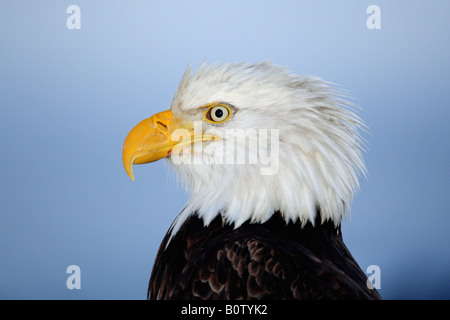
218,113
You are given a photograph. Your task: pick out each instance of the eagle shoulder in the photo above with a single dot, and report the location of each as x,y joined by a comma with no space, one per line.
255,261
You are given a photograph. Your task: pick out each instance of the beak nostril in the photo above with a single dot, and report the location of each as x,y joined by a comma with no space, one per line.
161,126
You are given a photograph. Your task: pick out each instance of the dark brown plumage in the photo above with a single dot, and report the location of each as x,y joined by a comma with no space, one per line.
269,260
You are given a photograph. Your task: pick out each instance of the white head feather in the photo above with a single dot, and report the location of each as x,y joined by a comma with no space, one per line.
319,152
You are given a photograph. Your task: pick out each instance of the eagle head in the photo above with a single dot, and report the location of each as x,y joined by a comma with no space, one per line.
250,140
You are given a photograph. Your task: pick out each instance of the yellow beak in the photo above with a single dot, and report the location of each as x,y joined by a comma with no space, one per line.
153,139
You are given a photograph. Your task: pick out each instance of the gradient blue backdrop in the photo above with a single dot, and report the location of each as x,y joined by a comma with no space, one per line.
69,97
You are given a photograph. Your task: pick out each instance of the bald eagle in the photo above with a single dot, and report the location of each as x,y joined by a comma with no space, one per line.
271,161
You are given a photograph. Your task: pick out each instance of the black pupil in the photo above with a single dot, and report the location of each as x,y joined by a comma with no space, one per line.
218,113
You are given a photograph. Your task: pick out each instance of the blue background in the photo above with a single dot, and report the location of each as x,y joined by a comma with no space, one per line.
69,97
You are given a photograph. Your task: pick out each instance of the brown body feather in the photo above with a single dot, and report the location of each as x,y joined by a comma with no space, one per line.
271,260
